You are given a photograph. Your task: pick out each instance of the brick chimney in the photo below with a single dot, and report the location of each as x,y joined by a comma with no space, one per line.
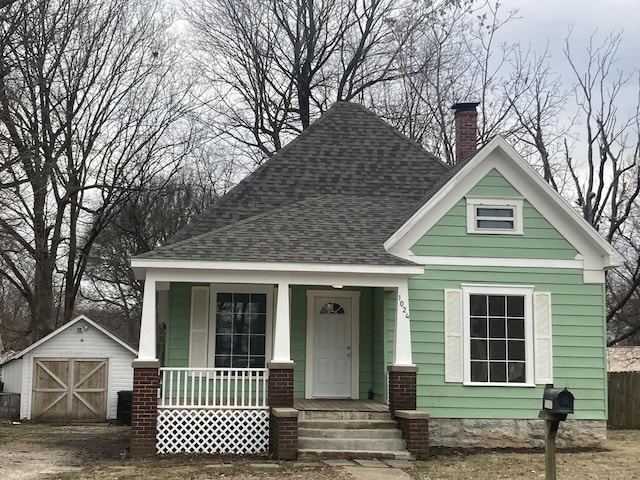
466,125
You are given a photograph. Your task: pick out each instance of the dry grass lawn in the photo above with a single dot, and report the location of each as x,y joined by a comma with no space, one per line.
98,452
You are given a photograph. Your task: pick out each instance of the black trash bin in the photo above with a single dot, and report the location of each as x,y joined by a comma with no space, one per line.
125,399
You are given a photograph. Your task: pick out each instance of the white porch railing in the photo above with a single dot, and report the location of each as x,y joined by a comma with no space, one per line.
214,388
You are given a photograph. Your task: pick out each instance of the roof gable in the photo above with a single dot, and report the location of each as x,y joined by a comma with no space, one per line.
596,253
71,323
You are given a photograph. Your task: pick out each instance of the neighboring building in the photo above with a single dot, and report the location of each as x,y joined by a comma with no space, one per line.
354,265
72,374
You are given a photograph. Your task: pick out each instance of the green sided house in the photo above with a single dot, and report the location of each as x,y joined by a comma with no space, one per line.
357,296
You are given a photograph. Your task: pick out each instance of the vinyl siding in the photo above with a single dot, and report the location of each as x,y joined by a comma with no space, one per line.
579,351
448,237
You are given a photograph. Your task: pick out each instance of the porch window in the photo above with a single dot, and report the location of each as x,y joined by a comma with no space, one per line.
241,322
230,325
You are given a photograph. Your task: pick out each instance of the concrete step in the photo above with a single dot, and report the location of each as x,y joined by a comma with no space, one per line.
348,424
352,444
364,433
341,415
359,454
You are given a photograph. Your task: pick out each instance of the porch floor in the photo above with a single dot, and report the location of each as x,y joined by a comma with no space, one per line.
338,405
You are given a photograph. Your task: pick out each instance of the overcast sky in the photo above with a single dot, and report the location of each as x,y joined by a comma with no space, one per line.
543,21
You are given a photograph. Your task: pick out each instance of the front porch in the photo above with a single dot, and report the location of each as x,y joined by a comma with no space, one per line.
237,355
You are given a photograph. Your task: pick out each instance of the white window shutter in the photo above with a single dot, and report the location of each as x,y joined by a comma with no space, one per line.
453,338
543,347
199,329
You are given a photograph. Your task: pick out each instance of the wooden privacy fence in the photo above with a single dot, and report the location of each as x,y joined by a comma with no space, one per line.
624,400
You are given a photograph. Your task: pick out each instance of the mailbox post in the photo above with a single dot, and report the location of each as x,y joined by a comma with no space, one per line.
556,405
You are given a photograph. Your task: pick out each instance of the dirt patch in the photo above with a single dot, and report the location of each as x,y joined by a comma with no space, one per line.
73,452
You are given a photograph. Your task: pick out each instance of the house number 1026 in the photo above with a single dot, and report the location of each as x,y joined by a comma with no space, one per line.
403,306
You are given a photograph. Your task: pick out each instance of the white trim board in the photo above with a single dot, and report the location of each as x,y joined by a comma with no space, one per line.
140,265
274,277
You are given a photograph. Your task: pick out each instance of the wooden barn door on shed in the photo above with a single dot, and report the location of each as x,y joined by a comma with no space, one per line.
69,389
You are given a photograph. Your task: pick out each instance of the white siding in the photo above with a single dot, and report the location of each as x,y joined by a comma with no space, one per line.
12,376
90,343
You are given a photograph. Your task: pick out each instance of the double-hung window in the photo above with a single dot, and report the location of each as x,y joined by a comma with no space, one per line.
497,335
230,325
240,330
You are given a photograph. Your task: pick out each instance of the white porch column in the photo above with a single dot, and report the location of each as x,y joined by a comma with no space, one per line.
281,331
402,339
147,347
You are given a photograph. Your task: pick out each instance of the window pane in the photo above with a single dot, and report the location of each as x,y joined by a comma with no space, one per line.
517,373
516,350
497,350
515,328
479,372
257,345
240,344
494,212
240,361
240,324
478,328
223,344
497,328
497,306
256,362
478,305
498,372
258,324
241,300
478,349
223,361
224,299
497,224
515,306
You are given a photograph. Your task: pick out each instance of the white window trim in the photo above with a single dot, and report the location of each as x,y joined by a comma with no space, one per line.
524,290
214,289
498,202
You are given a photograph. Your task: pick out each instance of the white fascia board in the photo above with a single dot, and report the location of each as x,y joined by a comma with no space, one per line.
143,264
498,154
389,277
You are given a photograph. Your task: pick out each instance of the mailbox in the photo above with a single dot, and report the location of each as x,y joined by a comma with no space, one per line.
557,401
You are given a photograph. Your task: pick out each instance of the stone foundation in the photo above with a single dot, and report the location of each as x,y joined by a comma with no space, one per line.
494,433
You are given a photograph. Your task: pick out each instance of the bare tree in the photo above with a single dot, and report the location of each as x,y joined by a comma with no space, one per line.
274,65
606,177
91,109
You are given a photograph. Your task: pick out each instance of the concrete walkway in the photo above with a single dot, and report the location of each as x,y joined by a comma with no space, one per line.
373,469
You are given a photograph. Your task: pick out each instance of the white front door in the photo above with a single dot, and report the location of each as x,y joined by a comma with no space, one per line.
332,347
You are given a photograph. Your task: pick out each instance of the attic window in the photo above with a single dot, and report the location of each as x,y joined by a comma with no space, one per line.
494,215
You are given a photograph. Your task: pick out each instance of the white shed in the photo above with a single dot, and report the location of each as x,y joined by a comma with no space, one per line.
72,374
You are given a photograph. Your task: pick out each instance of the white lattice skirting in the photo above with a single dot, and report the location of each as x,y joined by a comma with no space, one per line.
212,431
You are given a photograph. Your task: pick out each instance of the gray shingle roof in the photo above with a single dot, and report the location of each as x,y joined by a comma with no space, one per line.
333,195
